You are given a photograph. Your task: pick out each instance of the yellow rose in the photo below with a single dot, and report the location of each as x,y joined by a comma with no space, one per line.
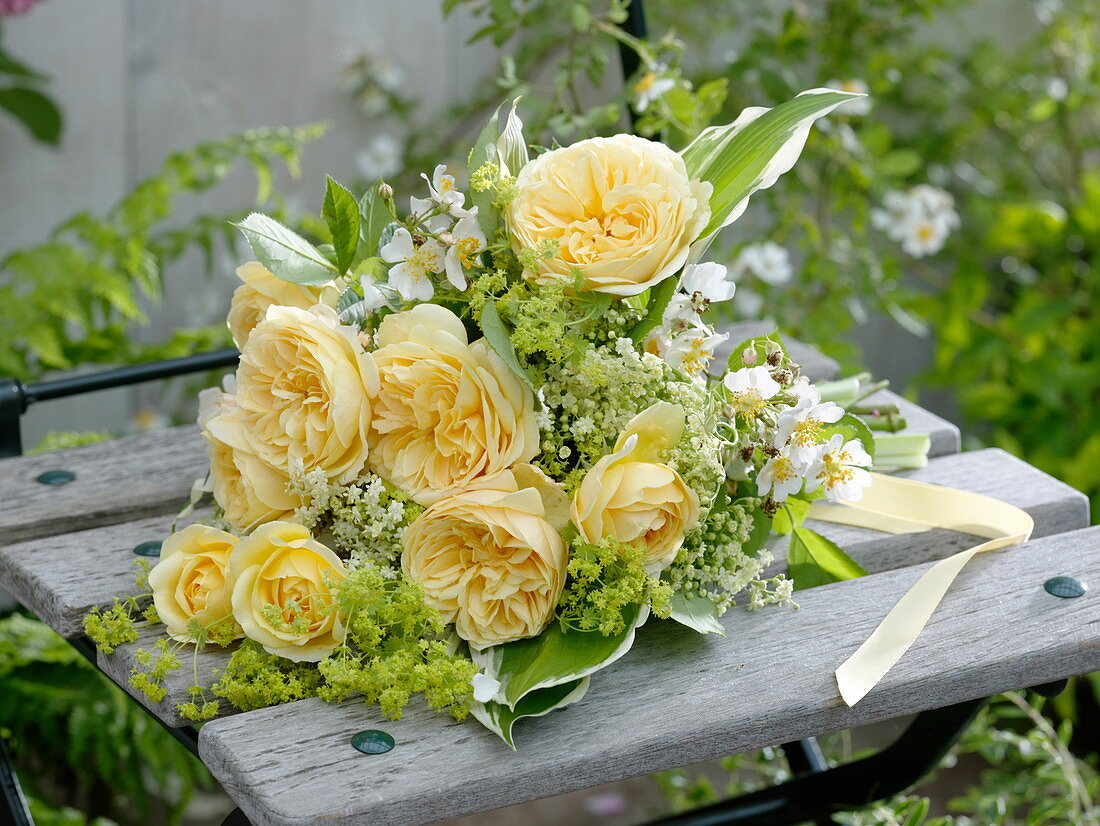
280,569
261,290
630,496
249,490
621,210
189,581
304,386
447,412
488,561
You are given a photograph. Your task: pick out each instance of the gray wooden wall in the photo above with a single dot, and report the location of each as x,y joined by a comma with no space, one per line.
137,79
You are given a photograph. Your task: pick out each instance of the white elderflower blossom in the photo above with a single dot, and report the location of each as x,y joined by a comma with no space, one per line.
750,389
840,469
380,158
857,107
920,219
464,252
768,261
802,425
781,477
415,265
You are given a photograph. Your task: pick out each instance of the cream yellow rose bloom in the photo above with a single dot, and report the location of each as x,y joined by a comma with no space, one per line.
447,412
630,496
261,290
279,568
249,490
488,561
304,387
189,581
621,210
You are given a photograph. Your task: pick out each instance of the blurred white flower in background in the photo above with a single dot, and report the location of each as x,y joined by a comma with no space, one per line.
855,108
768,261
650,86
920,219
373,81
380,158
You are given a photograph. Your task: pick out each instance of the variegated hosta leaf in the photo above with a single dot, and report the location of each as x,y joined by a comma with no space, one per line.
554,657
498,718
511,145
752,152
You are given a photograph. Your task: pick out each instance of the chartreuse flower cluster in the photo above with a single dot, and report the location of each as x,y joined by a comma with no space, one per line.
481,435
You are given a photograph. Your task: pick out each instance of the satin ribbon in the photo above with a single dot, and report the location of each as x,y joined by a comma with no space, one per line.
901,506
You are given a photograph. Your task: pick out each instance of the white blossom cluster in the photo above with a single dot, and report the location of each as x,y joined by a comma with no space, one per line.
448,241
364,519
683,340
919,219
789,425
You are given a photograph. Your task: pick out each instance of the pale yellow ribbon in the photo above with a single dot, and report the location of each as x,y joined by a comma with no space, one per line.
899,506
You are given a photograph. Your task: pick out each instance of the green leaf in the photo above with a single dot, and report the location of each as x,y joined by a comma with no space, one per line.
790,515
341,213
698,613
554,657
373,217
35,111
752,152
500,339
284,252
659,297
498,718
484,151
814,560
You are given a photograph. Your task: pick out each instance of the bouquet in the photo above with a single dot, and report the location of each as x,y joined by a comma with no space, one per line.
472,447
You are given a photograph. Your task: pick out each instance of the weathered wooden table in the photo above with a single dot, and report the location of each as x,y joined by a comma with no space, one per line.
676,698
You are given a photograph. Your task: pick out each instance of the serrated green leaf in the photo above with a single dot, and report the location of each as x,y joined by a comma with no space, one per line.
814,560
752,152
554,657
500,339
341,213
284,252
499,719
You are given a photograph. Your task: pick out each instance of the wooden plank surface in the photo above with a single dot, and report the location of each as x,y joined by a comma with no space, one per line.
943,435
117,481
1055,507
676,698
61,577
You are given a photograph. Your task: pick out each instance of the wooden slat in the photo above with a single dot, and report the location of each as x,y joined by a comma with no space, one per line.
676,698
117,481
1054,506
815,366
61,577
